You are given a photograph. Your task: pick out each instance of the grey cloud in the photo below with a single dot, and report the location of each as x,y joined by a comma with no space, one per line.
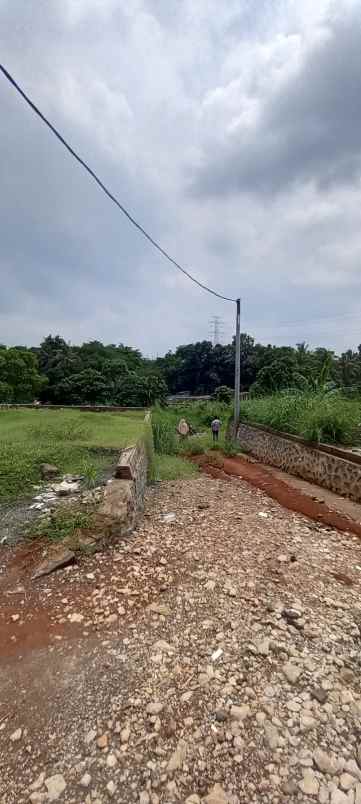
308,130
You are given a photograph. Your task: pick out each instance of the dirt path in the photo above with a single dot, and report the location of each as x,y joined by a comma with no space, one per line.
213,657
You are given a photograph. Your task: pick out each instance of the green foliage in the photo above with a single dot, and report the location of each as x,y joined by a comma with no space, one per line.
62,523
172,467
330,418
20,380
164,435
148,441
65,438
223,394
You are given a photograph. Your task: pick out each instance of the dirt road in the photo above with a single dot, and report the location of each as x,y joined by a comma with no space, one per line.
214,656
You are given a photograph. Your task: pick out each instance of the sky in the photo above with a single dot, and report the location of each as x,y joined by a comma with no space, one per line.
231,131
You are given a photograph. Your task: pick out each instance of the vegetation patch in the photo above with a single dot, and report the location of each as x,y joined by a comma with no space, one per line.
63,523
173,467
325,417
76,442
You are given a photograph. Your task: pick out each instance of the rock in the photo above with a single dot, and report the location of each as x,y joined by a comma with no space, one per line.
48,471
144,797
291,614
159,608
102,742
221,715
352,767
90,736
168,518
178,757
210,586
291,672
154,708
193,799
55,785
111,619
15,617
163,647
307,723
47,567
38,798
124,735
358,794
262,647
338,797
66,488
319,694
282,558
347,781
76,617
324,762
271,735
230,591
111,761
324,794
111,788
16,736
85,780
37,785
216,796
240,712
309,784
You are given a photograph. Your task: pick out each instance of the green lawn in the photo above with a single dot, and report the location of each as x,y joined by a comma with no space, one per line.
172,467
78,442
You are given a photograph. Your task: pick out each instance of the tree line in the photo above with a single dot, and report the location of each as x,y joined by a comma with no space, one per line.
60,373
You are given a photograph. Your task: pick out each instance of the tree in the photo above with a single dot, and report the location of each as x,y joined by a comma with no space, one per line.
20,380
89,386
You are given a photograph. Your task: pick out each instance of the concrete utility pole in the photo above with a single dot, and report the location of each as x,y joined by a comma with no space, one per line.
237,373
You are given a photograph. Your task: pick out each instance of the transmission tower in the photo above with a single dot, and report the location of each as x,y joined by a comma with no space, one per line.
216,323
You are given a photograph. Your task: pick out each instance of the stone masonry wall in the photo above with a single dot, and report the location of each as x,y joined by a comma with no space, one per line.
338,474
124,496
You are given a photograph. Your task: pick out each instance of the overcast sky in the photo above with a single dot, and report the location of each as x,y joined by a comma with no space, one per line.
231,130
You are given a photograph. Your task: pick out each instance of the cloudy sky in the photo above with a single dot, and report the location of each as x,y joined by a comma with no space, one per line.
232,132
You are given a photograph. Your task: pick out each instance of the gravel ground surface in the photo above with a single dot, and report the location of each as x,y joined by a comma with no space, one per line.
214,656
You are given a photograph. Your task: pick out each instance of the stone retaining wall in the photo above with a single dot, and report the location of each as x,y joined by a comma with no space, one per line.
331,468
124,495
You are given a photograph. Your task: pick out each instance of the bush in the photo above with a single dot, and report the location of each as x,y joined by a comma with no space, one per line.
223,394
315,417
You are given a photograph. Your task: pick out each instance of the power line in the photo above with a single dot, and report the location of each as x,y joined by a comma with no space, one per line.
105,190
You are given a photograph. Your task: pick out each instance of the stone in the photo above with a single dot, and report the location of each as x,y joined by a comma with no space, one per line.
48,471
111,788
90,736
15,617
55,785
76,617
263,647
37,785
358,793
102,742
324,762
347,781
221,715
338,797
111,761
159,608
85,780
16,736
271,735
240,712
319,694
178,757
163,647
230,591
193,799
154,708
291,672
124,735
307,723
65,558
216,796
324,794
291,614
309,784
144,797
38,798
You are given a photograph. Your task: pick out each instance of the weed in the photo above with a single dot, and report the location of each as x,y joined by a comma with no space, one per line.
62,523
172,467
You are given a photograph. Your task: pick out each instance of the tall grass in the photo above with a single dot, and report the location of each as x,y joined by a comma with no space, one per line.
331,418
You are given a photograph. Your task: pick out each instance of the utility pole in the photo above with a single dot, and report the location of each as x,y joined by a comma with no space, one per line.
237,373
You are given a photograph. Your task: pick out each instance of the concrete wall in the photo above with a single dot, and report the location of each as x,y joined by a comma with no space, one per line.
331,468
124,496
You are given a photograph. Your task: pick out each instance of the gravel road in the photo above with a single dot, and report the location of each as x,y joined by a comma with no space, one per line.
214,657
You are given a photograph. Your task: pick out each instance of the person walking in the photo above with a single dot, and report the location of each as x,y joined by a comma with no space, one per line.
215,427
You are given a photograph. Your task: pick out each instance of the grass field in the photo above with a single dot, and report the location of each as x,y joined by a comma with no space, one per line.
330,418
75,441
